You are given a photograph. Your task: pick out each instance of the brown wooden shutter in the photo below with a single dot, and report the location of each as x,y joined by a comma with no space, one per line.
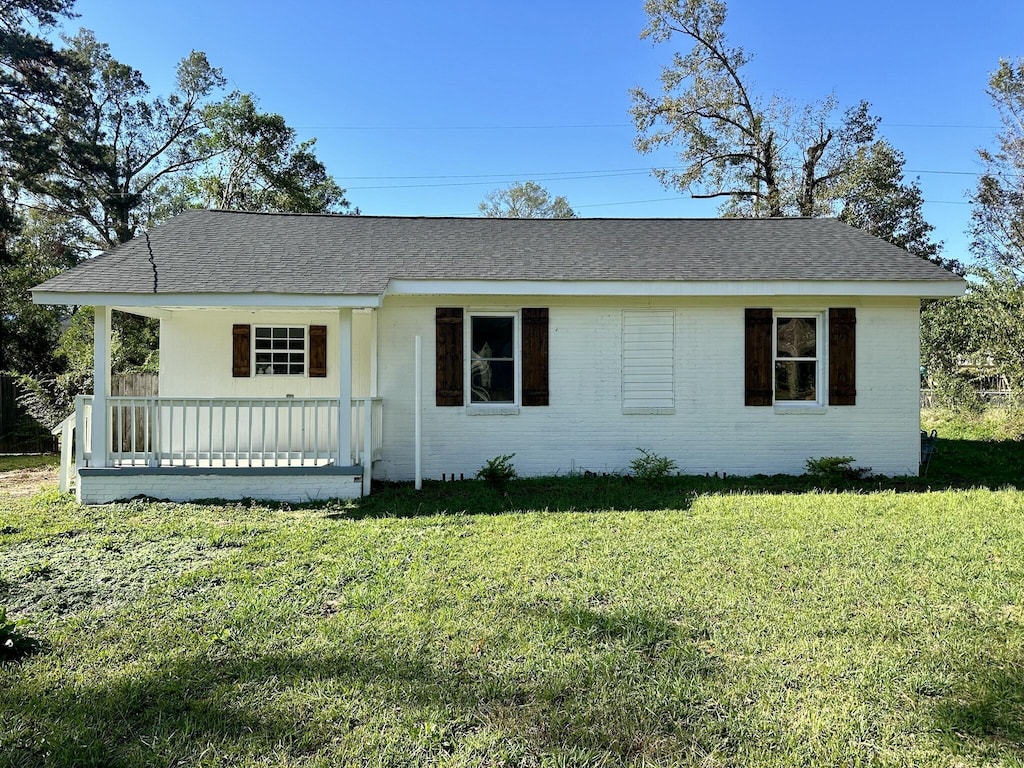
240,351
450,342
842,356
758,357
317,351
535,356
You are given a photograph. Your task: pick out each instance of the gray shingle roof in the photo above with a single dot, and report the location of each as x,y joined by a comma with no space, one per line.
233,252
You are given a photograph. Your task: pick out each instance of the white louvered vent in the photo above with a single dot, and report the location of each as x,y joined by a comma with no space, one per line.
648,356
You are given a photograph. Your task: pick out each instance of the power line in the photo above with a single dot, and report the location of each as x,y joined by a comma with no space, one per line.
497,181
459,127
505,173
584,126
511,178
675,199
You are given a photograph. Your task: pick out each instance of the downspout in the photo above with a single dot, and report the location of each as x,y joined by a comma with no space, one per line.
418,406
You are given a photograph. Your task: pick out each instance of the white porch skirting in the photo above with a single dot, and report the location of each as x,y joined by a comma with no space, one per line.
102,485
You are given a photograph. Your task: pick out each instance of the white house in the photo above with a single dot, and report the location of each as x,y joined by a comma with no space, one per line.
301,354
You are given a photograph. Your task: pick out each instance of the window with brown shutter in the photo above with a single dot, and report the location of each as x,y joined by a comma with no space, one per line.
535,356
842,356
494,357
758,357
448,325
318,351
240,354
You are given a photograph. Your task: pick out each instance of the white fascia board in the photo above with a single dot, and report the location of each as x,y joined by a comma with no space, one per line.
157,313
196,300
921,288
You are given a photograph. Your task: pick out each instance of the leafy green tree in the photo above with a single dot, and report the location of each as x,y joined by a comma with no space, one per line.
30,74
998,216
525,200
115,145
258,165
875,197
766,156
43,247
984,330
998,233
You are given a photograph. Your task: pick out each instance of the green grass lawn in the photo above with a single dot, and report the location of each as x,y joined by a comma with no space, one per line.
582,621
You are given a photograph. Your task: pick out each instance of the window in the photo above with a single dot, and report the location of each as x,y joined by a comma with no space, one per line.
792,358
492,355
796,358
279,351
491,358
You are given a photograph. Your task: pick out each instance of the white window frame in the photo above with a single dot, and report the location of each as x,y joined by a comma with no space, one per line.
517,362
305,352
820,348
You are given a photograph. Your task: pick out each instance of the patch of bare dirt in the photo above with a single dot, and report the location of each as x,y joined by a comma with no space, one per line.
27,482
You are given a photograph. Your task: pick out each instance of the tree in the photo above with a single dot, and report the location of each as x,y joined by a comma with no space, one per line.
998,216
44,247
525,200
30,72
767,157
258,165
998,232
984,329
115,145
875,197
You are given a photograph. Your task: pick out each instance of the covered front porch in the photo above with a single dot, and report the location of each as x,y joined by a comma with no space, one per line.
212,433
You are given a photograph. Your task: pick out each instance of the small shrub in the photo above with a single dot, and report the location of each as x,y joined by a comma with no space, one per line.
959,393
498,471
651,466
835,469
14,644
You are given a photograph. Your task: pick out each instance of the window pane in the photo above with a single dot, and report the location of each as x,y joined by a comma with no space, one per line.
795,380
797,337
280,351
493,337
492,381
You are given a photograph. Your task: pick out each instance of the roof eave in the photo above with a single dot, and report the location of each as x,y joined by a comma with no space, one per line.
919,288
225,299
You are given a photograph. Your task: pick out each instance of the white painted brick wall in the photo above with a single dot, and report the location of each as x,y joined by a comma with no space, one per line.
103,489
710,431
195,355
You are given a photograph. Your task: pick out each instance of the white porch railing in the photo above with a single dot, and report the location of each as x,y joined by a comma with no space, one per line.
230,432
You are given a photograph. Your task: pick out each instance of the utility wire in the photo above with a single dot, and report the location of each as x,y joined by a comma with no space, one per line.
510,178
676,199
583,126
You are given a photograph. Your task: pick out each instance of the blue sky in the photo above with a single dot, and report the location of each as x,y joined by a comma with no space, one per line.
422,108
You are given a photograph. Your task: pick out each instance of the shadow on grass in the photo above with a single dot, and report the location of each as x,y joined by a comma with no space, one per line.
606,687
988,713
959,464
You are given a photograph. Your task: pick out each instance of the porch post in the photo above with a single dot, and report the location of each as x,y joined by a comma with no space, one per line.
344,388
101,386
373,353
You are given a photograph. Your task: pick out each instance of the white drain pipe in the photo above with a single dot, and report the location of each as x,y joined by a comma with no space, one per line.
418,432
